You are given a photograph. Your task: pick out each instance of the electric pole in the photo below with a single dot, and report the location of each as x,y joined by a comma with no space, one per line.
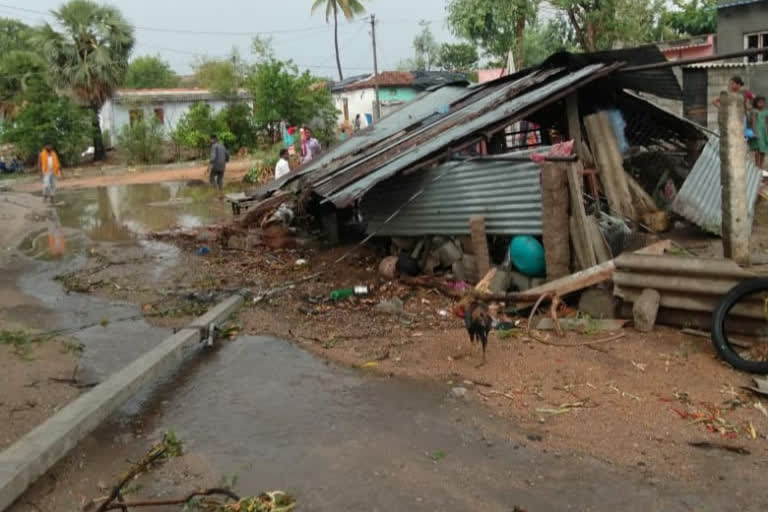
377,110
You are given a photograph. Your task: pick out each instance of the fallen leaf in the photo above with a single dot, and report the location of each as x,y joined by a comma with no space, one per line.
760,407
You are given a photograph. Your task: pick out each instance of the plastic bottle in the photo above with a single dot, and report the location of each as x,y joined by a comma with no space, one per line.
343,293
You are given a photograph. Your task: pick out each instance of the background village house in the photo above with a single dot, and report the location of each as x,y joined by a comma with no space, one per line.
357,95
166,106
741,25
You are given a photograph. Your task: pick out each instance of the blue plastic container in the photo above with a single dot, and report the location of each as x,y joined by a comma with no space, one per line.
527,255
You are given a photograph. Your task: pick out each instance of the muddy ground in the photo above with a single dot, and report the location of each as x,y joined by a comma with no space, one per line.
91,177
33,367
639,401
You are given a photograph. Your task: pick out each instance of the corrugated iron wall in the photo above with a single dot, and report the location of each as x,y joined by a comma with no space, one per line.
507,193
700,198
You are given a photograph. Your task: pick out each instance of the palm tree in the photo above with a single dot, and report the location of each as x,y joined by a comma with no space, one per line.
350,8
89,57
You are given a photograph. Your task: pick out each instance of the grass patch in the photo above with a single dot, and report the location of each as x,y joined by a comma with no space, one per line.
437,456
21,341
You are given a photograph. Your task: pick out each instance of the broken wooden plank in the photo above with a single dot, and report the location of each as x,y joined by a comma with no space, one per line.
577,281
574,128
255,213
643,201
599,245
610,165
580,236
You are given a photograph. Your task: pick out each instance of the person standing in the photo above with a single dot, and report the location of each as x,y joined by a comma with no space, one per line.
759,143
283,167
312,147
219,159
358,123
50,168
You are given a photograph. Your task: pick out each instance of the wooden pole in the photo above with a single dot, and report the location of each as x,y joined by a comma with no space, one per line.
554,218
733,178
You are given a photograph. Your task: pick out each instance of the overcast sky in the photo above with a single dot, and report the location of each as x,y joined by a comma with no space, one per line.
296,33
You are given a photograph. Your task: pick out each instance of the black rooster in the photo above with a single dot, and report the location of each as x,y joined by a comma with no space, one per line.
478,321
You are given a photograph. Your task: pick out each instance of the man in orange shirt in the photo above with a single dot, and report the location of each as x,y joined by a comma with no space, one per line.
50,167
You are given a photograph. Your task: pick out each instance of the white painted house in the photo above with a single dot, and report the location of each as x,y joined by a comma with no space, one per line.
166,106
357,95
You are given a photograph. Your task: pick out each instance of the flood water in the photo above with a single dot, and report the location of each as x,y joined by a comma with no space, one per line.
281,418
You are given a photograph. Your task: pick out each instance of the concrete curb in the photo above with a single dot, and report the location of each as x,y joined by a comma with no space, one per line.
34,454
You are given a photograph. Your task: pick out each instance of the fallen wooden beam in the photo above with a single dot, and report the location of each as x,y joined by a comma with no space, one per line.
575,282
256,212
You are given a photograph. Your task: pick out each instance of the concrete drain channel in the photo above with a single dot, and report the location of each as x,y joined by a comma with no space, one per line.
34,454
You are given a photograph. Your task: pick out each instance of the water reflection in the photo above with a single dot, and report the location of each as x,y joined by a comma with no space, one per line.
120,213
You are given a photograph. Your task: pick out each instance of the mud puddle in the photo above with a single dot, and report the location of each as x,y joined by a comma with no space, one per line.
273,416
114,219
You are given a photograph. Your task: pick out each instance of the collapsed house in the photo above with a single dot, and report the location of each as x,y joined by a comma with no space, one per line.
475,168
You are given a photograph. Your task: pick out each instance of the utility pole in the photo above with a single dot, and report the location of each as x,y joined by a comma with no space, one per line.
377,109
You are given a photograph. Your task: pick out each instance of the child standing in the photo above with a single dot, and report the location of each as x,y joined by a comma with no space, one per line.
759,143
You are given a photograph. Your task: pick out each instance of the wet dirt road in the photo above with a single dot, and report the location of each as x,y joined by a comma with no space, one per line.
338,439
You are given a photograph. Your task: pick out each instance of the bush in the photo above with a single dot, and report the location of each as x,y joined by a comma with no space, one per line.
142,143
54,120
239,122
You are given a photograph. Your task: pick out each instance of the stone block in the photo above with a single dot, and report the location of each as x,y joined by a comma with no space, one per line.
645,310
598,303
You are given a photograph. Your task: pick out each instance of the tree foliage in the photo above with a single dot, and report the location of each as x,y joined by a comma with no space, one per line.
89,56
220,76
545,38
425,48
458,57
496,26
602,24
349,9
150,72
142,142
15,35
195,127
280,91
50,119
692,17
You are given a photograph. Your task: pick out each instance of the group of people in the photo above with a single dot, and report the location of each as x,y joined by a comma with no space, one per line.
755,122
310,147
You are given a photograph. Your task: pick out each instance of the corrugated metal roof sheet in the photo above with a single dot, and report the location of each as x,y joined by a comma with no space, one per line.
507,193
659,82
426,105
479,116
718,65
700,198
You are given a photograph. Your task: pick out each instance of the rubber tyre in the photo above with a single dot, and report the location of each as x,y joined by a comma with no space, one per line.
719,339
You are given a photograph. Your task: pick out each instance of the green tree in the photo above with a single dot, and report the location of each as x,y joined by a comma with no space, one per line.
496,26
196,126
22,80
349,8
150,72
601,24
142,141
544,39
458,57
15,35
50,119
280,91
220,76
239,120
692,17
425,48
89,56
